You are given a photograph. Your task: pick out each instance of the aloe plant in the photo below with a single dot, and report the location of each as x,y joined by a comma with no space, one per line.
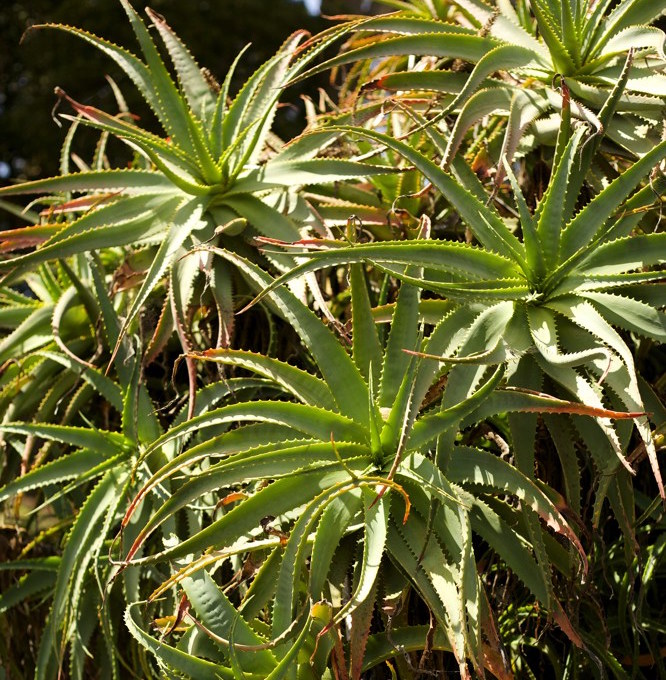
358,457
85,469
534,62
567,282
215,172
320,509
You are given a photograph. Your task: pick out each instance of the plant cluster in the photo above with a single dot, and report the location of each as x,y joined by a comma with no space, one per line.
369,403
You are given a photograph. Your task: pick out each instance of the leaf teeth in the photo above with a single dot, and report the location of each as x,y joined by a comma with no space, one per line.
420,566
540,321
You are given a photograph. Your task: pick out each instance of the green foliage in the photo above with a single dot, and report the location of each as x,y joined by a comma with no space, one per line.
535,63
396,459
205,180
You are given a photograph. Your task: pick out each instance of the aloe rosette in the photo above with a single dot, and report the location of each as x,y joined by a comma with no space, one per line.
566,285
528,61
211,175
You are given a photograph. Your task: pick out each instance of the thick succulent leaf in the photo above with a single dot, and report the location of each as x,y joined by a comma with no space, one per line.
637,38
485,224
141,228
220,112
278,497
587,317
402,414
76,556
503,57
337,368
304,386
403,335
332,526
165,155
630,314
130,411
65,467
384,646
641,80
34,583
187,218
582,389
133,209
376,517
436,81
476,468
434,486
262,588
562,60
11,317
37,564
122,181
257,100
199,95
265,219
543,330
595,24
241,439
625,254
100,441
533,250
553,211
220,617
366,349
519,400
178,120
454,259
284,460
449,332
635,208
429,427
32,333
588,224
405,24
289,173
137,71
453,45
577,283
502,26
187,664
287,589
509,546
26,237
626,14
525,108
148,425
316,422
432,575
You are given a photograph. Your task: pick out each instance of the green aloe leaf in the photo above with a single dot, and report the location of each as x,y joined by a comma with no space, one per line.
277,497
220,617
79,551
338,370
172,657
304,386
588,224
199,95
34,583
454,45
101,441
69,466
